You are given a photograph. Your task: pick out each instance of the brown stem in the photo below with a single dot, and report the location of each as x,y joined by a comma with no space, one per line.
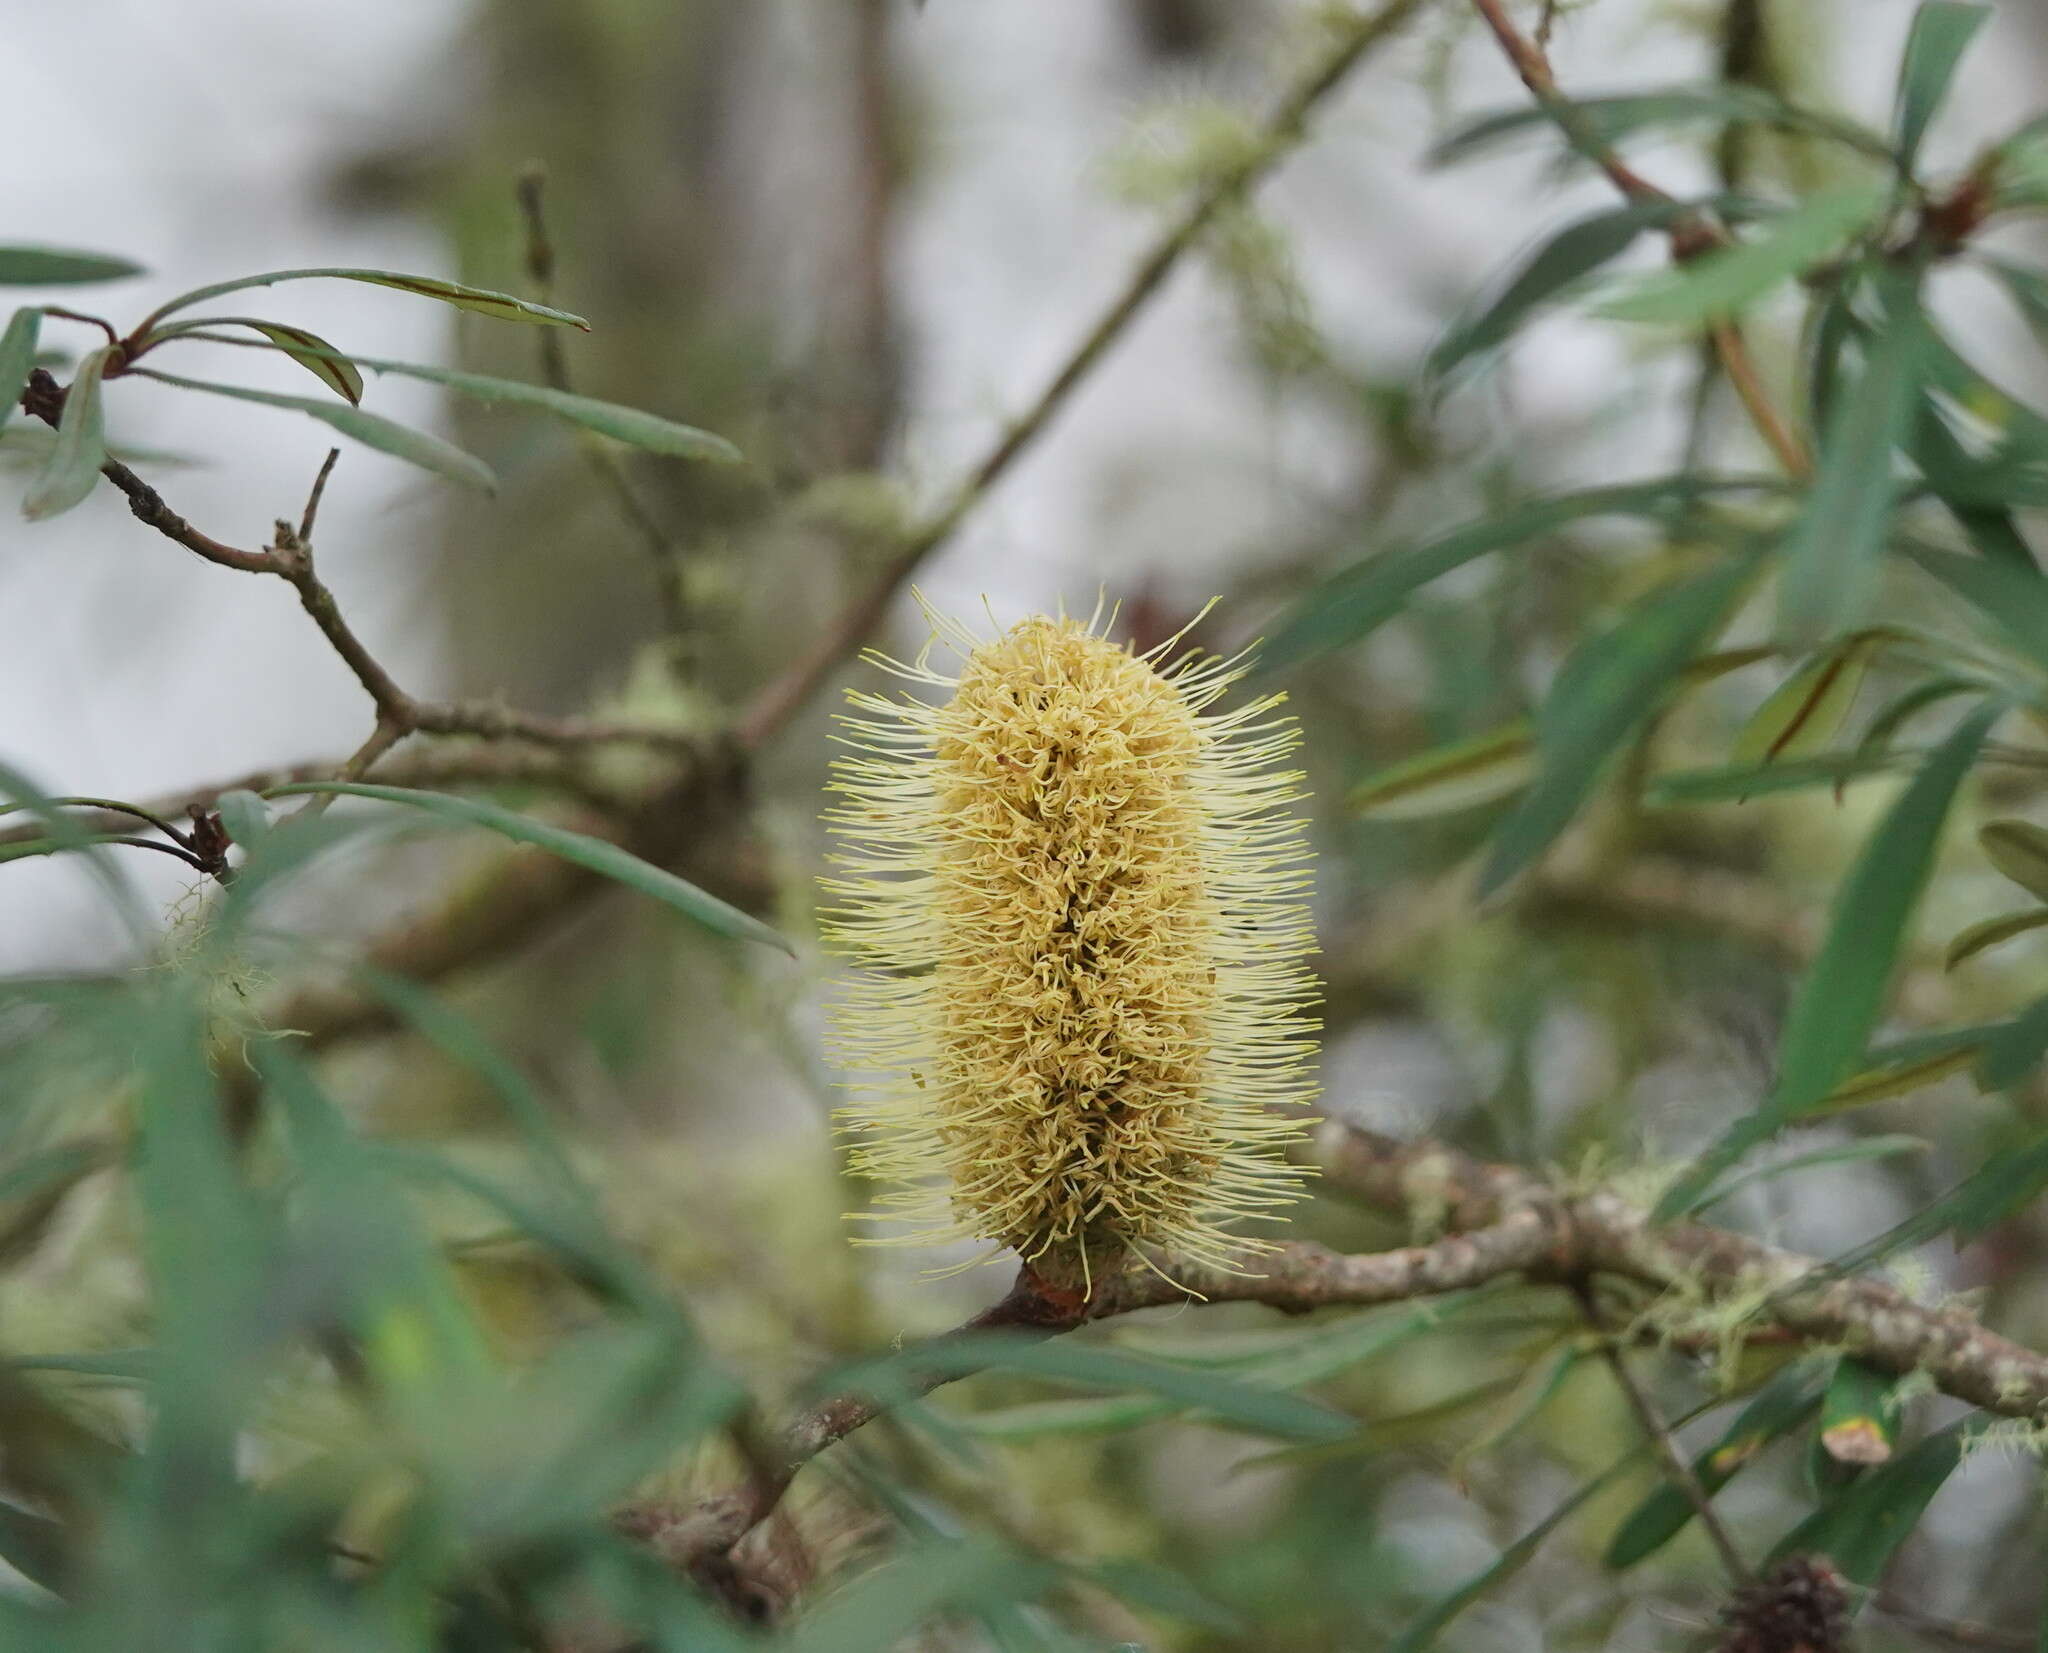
291,560
1960,1632
319,488
1691,234
783,699
1505,1222
606,465
104,326
1676,1465
498,764
1778,436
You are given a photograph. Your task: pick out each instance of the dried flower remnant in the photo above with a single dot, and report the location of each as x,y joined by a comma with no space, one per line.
1076,892
1799,1607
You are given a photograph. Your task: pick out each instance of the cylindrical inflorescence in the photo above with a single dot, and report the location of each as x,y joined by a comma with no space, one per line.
1076,892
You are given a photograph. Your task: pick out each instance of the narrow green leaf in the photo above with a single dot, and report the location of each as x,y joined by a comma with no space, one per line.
1859,1422
80,450
1156,1588
1969,943
1917,1045
1421,1426
1831,554
1422,1631
1839,1001
114,1365
245,816
1609,119
1290,1361
2018,166
1462,775
1575,252
2022,433
1538,1386
1803,714
1711,668
2002,1185
1835,1153
1781,1406
596,854
1736,783
330,366
2013,599
1604,693
2011,1051
66,834
2029,288
568,1228
60,267
1830,326
1321,1352
1860,1528
434,1019
1899,1078
2019,849
502,305
1901,1066
1971,490
1729,279
1942,31
35,1189
622,424
1354,603
17,356
373,430
1896,713
205,1242
55,1167
1094,1415
878,1611
1274,1411
419,1341
28,849
34,1545
24,447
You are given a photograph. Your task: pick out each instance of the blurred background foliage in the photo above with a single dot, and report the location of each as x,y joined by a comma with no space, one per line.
355,1341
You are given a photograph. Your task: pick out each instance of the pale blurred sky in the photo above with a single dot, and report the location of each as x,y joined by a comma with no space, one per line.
195,136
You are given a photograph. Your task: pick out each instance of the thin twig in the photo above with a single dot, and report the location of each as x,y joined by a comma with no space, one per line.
783,699
44,400
105,327
1505,1222
1532,64
381,739
1962,1632
111,806
291,560
1778,436
1295,1278
553,770
312,509
186,856
1676,1465
603,462
1691,234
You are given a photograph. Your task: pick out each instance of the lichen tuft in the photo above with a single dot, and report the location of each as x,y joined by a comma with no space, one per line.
1076,894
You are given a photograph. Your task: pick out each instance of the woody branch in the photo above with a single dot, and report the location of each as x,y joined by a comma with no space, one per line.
1503,1222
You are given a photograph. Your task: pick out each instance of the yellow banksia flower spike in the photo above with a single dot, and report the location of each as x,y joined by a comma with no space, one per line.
1075,892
